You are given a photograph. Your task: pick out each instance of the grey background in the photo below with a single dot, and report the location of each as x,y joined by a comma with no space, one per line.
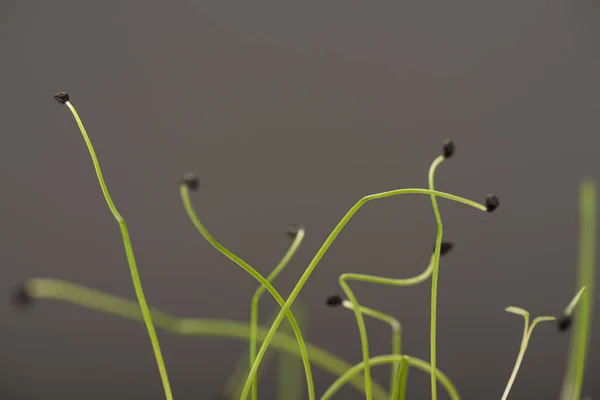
292,111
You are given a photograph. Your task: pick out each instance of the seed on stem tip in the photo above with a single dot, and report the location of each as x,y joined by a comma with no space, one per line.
61,97
335,300
191,181
292,230
491,202
20,297
564,323
448,149
445,248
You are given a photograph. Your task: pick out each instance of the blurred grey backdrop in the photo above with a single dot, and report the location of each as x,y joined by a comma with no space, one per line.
290,112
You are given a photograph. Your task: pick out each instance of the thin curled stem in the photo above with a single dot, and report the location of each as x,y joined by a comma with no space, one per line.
79,295
137,284
189,208
399,282
256,298
388,359
402,282
396,340
328,242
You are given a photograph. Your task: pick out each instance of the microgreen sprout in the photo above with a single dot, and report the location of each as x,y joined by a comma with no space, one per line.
528,330
63,98
290,341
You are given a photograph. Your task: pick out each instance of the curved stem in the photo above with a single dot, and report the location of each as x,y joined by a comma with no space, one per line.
137,284
56,289
388,359
257,295
328,242
383,281
434,279
184,191
422,277
364,341
396,340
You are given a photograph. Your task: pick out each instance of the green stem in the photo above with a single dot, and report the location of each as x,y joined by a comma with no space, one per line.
256,298
573,380
520,356
233,386
524,343
289,372
363,334
403,380
137,284
323,250
396,340
434,279
359,309
388,359
184,191
391,282
46,288
422,277
396,351
575,301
